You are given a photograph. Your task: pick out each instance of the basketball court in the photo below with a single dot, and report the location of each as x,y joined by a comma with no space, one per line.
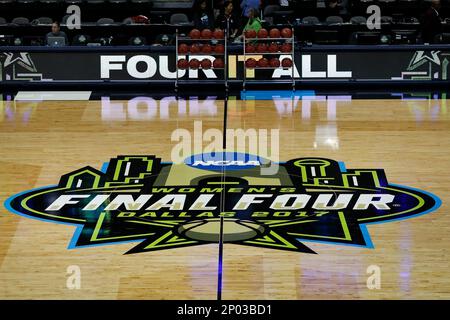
405,138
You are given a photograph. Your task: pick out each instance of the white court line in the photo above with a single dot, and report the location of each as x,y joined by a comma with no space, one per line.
52,95
127,169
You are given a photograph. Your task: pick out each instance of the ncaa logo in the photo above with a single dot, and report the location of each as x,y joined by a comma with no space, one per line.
218,161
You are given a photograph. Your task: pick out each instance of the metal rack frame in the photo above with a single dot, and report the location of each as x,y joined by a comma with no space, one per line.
285,40
179,40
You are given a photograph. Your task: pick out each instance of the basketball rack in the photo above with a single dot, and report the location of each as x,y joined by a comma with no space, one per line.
279,42
189,41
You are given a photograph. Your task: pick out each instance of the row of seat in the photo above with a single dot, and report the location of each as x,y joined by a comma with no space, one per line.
73,1
299,2
180,19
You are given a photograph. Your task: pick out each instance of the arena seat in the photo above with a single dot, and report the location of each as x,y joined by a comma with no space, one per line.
270,9
268,13
386,19
50,1
283,16
20,21
310,20
179,18
105,21
42,20
334,20
358,20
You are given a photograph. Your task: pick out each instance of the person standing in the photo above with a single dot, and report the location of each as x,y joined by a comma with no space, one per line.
247,5
203,16
227,20
431,22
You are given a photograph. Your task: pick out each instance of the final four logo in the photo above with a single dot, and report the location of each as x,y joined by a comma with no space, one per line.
164,205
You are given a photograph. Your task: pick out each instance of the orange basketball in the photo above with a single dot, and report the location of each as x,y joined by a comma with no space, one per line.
194,64
218,63
218,34
250,34
206,34
274,62
183,48
273,47
183,64
220,48
286,47
206,64
263,63
195,34
286,33
250,63
286,63
262,33
195,48
274,33
206,48
250,48
261,48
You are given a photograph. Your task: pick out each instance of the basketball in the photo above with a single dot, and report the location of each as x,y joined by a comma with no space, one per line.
262,33
274,62
218,34
286,33
274,33
183,64
250,34
286,47
218,63
194,64
206,64
209,230
250,48
250,63
195,48
206,48
220,48
263,63
273,47
206,34
261,48
183,48
195,34
286,63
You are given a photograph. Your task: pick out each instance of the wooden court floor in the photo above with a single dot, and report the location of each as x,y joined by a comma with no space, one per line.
409,139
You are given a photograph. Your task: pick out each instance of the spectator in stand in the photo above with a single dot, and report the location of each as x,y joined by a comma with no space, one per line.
203,16
431,22
253,23
56,32
227,20
336,7
332,8
247,5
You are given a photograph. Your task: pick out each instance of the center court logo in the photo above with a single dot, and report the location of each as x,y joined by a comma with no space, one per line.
224,161
167,205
